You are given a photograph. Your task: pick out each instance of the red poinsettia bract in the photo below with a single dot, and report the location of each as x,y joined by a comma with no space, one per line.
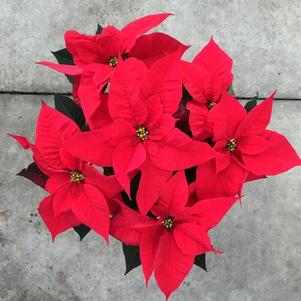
78,191
96,56
245,147
156,123
206,78
143,135
169,243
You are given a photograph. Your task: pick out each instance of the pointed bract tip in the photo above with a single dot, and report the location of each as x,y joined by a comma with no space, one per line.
269,99
21,140
53,237
72,70
212,41
143,212
274,93
167,14
185,47
146,283
127,190
107,240
41,63
216,251
10,135
45,108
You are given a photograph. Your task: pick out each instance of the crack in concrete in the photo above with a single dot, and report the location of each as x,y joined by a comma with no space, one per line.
13,92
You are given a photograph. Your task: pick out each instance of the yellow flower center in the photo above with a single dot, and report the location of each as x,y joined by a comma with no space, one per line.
142,133
76,176
211,104
232,145
113,60
168,223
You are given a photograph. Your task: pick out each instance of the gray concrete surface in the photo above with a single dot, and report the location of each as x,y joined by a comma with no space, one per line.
261,241
263,37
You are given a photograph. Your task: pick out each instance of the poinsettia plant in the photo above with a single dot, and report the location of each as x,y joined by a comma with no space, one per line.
151,149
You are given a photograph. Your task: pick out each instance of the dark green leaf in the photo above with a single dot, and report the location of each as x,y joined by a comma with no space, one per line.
131,200
200,261
108,171
185,96
134,186
251,104
33,173
190,174
99,29
67,106
64,57
231,90
128,200
182,116
132,258
82,230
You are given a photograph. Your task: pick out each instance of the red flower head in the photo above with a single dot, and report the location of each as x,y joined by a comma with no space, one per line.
142,135
169,243
206,78
97,56
245,146
78,191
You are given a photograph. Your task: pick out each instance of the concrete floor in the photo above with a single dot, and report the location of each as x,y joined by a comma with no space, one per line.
263,37
261,240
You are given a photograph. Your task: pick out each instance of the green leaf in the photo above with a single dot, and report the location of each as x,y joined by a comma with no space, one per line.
200,261
231,90
82,230
34,174
63,56
99,29
131,200
67,106
252,103
190,174
108,171
185,96
132,258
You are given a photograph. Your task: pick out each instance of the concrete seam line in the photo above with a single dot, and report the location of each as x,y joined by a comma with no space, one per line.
69,94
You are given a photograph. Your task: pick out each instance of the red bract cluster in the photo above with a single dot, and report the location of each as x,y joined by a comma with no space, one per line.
152,149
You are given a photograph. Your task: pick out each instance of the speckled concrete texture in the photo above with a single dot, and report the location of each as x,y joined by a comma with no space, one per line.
263,37
261,240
